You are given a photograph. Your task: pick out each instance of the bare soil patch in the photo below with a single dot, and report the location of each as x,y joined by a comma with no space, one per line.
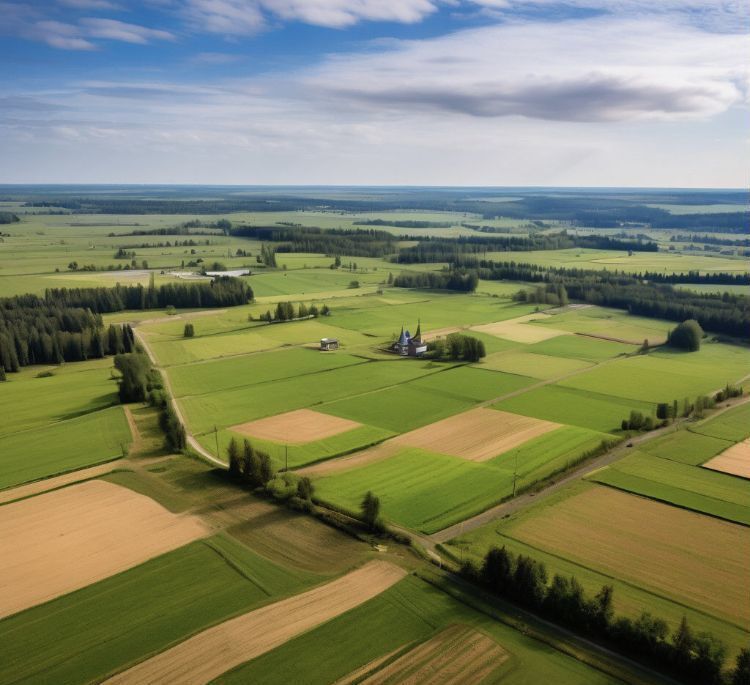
212,652
457,656
520,330
351,461
64,540
735,460
296,427
476,435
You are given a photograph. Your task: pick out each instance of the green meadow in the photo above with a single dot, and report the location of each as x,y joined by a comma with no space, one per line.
709,492
541,366
599,412
686,446
733,425
580,347
93,632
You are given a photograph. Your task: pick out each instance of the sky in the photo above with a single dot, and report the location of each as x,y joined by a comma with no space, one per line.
376,92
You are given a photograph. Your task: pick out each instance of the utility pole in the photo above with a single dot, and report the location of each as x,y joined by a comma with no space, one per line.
216,437
515,473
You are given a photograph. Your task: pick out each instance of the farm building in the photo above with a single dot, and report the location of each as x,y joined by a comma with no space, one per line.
408,345
328,344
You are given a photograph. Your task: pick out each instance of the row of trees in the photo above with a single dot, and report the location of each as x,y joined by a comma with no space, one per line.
695,657
224,291
431,250
719,313
248,465
285,311
453,279
352,242
457,347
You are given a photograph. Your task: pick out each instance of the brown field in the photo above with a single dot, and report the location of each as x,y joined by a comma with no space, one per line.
518,329
212,652
296,427
40,486
351,461
696,559
64,540
476,435
735,460
456,656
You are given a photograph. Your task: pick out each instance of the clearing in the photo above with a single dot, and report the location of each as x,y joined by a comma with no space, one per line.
91,530
302,425
735,460
210,653
477,435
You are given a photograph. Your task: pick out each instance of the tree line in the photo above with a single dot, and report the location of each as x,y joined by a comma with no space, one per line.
352,242
8,218
224,291
431,250
720,313
710,240
694,657
453,279
285,311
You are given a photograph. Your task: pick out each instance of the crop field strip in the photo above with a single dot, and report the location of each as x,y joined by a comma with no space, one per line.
203,657
410,612
105,627
735,460
92,530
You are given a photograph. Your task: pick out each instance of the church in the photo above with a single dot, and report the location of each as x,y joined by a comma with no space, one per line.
408,345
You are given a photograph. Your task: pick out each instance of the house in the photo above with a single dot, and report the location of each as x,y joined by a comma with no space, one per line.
408,345
328,344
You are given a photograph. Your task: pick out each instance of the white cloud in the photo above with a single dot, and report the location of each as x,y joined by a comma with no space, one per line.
602,69
238,17
112,29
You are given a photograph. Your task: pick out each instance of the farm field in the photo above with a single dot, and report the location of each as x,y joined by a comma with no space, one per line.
663,550
125,560
93,529
108,625
409,613
75,414
204,656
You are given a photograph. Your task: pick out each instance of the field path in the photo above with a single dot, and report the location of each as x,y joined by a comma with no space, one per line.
191,441
208,654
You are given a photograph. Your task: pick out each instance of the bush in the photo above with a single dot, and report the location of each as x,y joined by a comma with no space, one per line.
686,336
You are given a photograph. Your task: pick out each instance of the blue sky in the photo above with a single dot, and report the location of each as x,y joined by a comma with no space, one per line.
445,92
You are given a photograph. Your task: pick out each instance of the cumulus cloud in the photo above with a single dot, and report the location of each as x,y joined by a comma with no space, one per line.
238,17
599,69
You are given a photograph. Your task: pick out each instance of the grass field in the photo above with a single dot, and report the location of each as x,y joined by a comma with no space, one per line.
532,364
86,635
665,375
580,347
733,425
409,613
599,412
58,447
683,485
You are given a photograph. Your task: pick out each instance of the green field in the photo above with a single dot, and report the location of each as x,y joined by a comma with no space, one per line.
598,412
733,424
88,634
408,613
686,447
65,446
665,375
541,366
683,485
580,347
